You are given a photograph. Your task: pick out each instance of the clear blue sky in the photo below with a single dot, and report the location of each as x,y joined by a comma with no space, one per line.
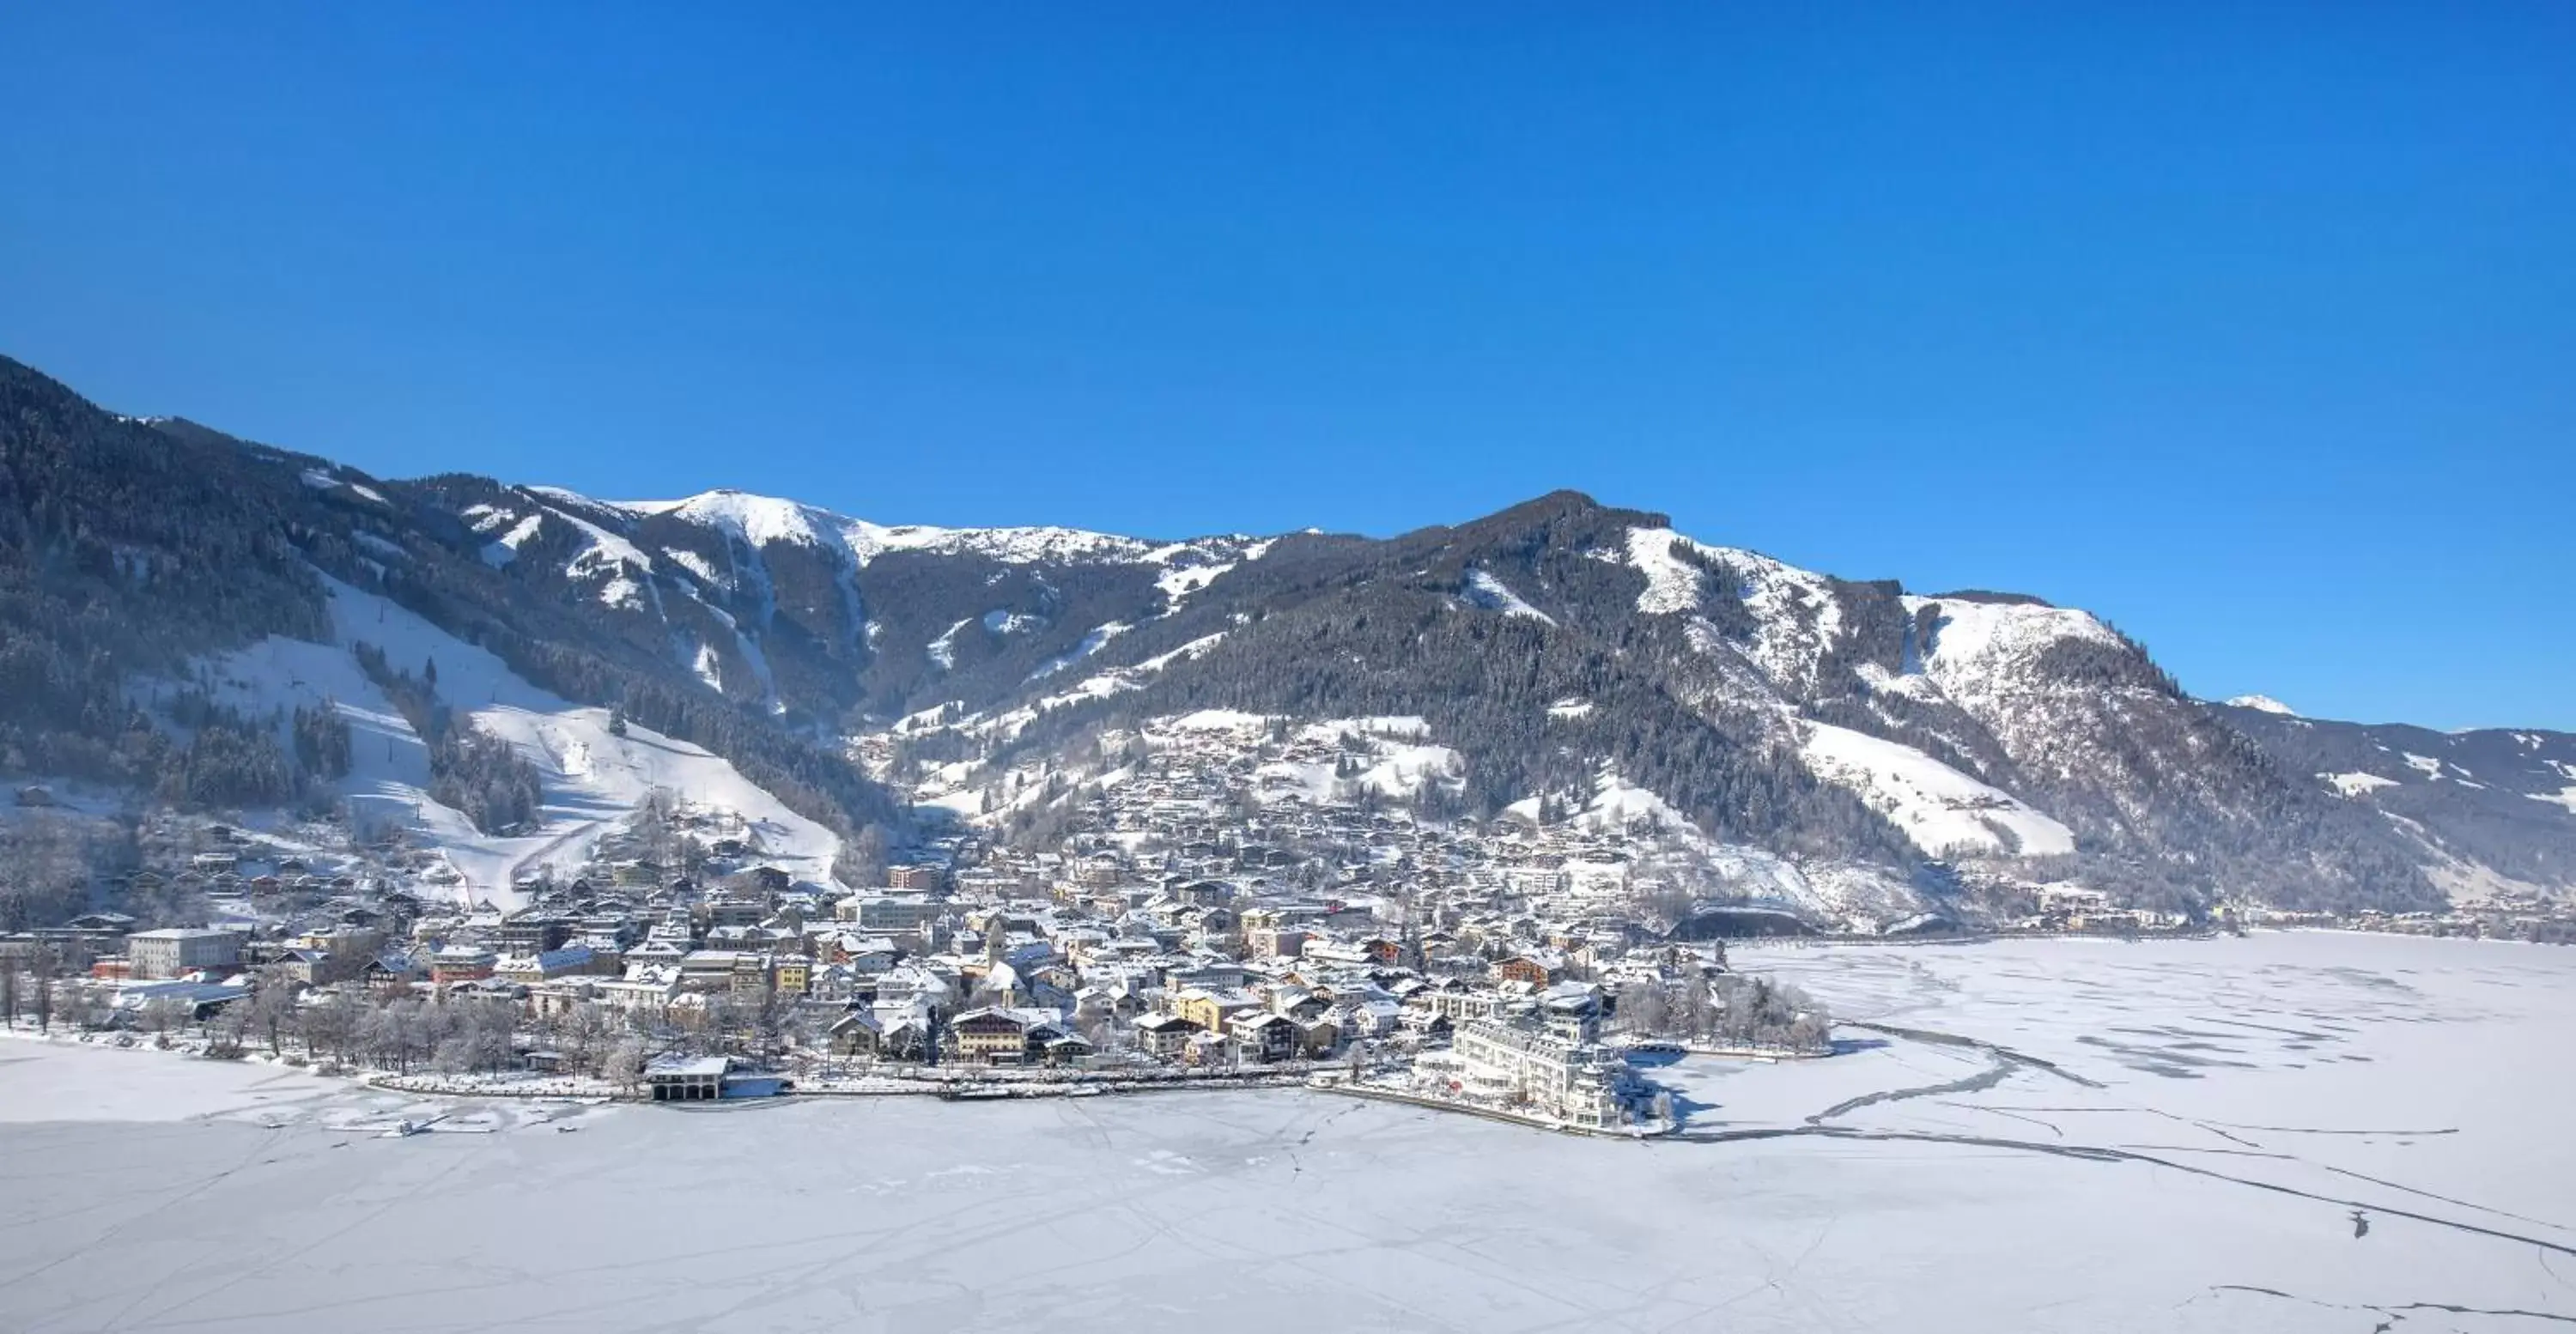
2252,327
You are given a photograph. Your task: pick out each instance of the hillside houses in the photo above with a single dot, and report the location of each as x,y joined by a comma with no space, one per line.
1216,911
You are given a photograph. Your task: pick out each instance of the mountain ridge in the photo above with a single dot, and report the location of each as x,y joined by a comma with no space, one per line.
1551,643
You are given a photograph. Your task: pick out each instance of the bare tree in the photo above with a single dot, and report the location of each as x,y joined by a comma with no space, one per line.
41,973
162,1015
1646,1007
272,1006
863,859
46,860
585,1031
1699,1008
224,1032
404,1031
625,1064
332,1026
480,1041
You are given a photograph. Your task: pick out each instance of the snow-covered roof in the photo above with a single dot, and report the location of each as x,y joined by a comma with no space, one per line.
689,1067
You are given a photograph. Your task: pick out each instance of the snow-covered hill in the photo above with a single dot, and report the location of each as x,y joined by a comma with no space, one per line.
593,779
1944,811
2489,809
1768,709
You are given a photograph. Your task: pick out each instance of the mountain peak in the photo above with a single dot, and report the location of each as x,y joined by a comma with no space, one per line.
1566,507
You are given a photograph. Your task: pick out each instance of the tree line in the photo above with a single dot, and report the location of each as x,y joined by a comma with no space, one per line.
1727,1010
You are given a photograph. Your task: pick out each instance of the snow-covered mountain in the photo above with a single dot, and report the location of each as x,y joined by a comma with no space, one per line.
1561,656
207,623
1843,724
593,775
794,609
2488,809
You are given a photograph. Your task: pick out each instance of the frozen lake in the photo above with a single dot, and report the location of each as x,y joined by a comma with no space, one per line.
2289,1132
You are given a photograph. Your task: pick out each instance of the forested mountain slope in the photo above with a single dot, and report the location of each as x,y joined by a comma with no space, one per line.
138,556
1556,646
2491,806
1773,706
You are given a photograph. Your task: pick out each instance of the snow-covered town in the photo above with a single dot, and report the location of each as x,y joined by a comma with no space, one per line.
1231,912
1236,901
1413,970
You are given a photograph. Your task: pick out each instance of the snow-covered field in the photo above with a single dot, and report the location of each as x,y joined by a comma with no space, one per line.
593,779
2290,1132
1941,809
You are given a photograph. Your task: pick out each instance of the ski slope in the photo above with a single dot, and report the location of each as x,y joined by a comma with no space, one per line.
1941,809
593,780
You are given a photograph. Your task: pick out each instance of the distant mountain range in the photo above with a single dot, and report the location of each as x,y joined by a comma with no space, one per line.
1939,739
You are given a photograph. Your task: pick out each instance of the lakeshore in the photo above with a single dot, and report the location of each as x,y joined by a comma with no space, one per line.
2065,1135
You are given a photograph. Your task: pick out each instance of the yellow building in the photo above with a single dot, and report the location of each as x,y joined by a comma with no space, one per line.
1210,1009
990,1036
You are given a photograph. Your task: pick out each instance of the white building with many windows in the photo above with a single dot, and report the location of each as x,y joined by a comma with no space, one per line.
176,950
1538,1071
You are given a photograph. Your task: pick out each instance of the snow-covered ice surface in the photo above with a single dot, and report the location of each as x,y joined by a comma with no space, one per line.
2212,1117
73,1083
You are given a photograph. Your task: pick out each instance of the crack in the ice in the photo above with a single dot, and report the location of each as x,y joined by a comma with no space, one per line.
1984,1079
2050,1126
2102,1154
2392,1314
2310,1130
1954,1040
2465,1204
2003,1061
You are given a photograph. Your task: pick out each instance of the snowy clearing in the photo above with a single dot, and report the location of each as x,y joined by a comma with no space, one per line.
1940,808
1091,643
2357,783
1855,895
1980,650
1492,594
1796,613
592,779
1178,582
